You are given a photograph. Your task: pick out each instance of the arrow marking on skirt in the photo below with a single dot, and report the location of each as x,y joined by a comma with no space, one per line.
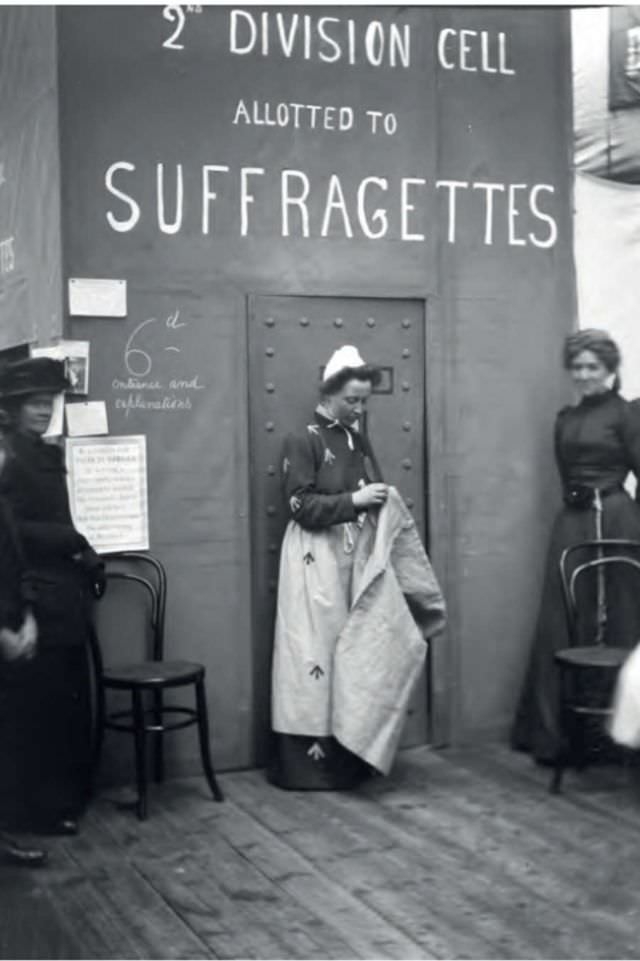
315,751
316,672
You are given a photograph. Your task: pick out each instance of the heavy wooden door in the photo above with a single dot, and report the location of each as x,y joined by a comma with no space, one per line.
290,339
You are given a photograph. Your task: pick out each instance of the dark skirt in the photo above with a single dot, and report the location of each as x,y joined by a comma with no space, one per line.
45,708
45,738
300,763
536,727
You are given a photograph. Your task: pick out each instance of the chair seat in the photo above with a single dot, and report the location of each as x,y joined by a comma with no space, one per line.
152,674
592,656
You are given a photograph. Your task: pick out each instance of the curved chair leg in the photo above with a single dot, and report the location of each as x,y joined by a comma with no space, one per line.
203,732
158,747
563,756
141,754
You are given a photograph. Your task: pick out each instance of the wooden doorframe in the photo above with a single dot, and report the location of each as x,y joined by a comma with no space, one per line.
438,521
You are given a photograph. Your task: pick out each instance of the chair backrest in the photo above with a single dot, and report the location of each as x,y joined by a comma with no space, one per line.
608,554
144,568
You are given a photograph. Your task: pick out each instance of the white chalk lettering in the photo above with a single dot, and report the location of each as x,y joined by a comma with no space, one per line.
512,214
443,37
286,200
452,186
465,50
515,214
374,116
241,113
298,115
379,215
287,39
509,211
234,45
535,210
406,207
489,190
209,195
173,11
335,201
245,197
325,39
165,227
473,51
390,123
121,225
374,43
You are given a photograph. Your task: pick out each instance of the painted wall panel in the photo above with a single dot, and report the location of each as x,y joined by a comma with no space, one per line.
500,308
30,244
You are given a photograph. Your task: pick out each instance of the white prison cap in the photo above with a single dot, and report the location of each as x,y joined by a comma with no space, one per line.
346,356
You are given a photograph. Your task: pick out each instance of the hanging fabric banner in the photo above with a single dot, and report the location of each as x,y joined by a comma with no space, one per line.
624,57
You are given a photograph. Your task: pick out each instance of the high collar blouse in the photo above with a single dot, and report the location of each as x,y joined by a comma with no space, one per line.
597,442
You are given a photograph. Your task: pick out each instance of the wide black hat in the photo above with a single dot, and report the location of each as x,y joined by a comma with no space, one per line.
34,375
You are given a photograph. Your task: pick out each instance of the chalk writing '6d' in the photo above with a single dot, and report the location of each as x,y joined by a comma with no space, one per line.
137,360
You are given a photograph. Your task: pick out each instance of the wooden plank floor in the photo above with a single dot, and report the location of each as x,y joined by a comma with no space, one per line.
459,854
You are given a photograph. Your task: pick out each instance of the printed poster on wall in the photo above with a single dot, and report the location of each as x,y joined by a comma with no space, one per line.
107,478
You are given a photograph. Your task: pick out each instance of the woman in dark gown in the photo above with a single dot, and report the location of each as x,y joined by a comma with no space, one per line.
46,744
329,479
597,444
18,639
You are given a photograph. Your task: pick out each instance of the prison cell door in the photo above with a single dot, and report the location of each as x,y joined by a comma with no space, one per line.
290,339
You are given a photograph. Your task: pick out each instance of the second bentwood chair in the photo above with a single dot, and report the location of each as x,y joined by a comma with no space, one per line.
146,681
587,672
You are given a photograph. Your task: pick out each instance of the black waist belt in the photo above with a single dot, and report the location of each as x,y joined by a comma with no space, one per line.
582,497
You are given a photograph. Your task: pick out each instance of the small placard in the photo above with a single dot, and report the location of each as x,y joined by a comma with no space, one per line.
75,354
107,480
88,419
97,297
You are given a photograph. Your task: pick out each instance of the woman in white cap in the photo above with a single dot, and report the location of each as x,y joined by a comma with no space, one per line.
330,479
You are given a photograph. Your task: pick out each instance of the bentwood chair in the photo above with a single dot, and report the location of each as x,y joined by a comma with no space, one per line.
587,672
147,681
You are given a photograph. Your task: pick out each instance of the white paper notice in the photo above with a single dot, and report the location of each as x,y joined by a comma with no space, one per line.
107,478
86,419
97,297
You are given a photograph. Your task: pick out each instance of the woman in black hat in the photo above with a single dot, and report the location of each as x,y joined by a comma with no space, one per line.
18,639
597,444
50,696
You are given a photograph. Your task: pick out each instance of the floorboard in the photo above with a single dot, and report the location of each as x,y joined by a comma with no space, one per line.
458,854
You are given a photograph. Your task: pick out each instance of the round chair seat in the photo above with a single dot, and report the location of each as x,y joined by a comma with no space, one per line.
592,656
152,673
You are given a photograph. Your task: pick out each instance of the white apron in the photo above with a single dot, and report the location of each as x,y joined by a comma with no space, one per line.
348,650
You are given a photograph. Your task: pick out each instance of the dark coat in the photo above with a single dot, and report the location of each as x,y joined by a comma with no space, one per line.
11,571
60,562
45,717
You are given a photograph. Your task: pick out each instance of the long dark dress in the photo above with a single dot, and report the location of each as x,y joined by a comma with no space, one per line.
321,468
597,444
45,722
